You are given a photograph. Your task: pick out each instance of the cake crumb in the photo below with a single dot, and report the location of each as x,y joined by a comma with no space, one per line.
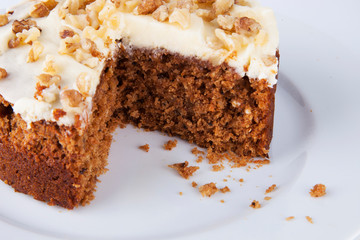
267,198
289,218
309,219
225,189
255,204
318,190
222,201
145,147
3,73
184,170
170,145
270,189
199,159
180,193
225,180
194,184
196,151
218,168
241,180
208,190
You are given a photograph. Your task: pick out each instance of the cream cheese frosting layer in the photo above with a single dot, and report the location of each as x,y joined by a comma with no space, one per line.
54,51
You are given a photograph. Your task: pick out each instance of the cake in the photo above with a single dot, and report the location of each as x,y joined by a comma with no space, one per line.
72,71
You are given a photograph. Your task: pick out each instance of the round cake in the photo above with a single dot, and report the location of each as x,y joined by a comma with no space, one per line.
72,71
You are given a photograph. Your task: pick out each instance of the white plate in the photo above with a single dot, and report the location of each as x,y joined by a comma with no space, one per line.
139,197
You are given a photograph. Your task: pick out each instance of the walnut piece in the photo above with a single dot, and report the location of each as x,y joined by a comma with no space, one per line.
208,190
269,60
29,36
19,26
50,4
84,83
71,98
49,65
3,73
247,26
222,6
39,10
148,6
14,43
180,16
46,80
35,51
3,20
161,14
66,32
183,169
226,22
205,14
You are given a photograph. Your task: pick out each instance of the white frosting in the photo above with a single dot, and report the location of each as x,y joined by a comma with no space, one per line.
19,87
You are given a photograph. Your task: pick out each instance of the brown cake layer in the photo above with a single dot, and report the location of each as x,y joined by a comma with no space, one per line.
211,106
57,164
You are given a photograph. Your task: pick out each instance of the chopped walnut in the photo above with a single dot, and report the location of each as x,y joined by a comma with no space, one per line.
318,190
29,36
170,145
3,73
148,6
208,190
225,189
39,10
180,16
145,147
84,83
46,80
71,98
222,6
3,20
188,4
205,14
49,65
226,22
58,113
77,21
270,189
161,14
66,32
269,60
14,43
309,219
35,51
19,26
255,204
70,45
50,4
184,170
225,39
247,26
90,46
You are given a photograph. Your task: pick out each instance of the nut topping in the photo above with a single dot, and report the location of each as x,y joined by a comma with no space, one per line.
247,26
35,52
3,73
40,10
222,6
71,98
46,80
19,26
180,16
161,14
3,20
148,6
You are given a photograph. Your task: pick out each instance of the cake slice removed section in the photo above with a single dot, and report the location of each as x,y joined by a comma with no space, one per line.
211,106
